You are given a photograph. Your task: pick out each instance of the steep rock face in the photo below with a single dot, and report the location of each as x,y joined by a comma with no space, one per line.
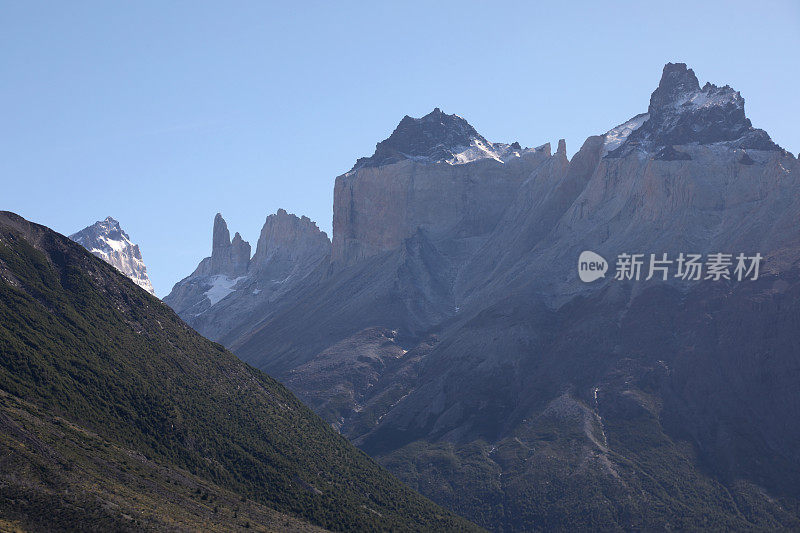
406,290
109,242
510,372
539,204
477,366
286,240
640,194
229,258
708,203
434,173
227,287
404,230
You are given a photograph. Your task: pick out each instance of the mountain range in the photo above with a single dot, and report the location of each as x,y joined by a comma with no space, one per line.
444,329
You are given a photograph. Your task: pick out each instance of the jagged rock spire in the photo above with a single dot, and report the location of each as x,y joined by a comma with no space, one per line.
229,258
221,239
562,148
676,81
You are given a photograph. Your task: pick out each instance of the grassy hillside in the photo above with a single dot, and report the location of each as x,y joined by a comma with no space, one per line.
57,475
141,396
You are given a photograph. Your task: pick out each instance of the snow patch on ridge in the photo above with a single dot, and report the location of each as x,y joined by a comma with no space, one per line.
616,136
709,96
475,151
221,286
118,246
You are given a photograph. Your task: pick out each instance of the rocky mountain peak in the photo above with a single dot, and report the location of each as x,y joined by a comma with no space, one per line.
436,137
107,240
289,237
110,222
676,81
681,112
416,135
109,227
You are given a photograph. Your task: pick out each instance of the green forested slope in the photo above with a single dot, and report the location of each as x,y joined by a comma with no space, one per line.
81,345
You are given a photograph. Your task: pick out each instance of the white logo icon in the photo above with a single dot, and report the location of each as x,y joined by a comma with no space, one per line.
591,266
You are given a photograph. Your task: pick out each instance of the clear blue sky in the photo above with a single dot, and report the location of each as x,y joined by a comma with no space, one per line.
163,113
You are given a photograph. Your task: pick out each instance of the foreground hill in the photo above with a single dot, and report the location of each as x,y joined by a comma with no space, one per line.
116,415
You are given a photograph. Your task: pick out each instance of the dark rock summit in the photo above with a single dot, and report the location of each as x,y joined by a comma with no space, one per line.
435,137
676,81
681,113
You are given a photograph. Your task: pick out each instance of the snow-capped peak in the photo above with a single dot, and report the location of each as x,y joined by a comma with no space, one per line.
106,240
